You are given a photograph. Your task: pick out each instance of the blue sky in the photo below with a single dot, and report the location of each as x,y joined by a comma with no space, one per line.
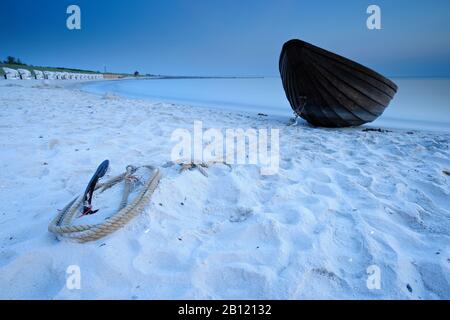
225,37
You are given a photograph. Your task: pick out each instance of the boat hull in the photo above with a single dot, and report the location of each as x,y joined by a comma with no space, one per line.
329,90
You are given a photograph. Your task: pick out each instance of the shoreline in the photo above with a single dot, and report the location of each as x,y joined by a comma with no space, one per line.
384,122
388,123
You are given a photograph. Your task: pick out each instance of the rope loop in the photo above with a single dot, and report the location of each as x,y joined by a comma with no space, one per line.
62,225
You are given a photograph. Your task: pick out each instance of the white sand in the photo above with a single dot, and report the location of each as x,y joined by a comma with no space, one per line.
343,200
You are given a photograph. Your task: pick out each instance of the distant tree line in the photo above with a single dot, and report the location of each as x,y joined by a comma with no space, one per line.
17,61
13,60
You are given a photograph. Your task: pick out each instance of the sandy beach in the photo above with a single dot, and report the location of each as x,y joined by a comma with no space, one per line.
343,201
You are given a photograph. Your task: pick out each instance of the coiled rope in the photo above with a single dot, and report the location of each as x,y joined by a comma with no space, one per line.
61,224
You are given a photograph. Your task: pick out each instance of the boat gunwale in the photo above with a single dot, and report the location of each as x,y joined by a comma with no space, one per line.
340,59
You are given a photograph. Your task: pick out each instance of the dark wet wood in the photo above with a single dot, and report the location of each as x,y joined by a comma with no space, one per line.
329,90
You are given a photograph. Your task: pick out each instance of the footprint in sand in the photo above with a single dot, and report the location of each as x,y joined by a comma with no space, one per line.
41,281
241,214
435,280
232,282
6,256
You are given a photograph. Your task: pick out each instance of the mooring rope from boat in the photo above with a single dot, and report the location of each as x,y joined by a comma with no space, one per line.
61,224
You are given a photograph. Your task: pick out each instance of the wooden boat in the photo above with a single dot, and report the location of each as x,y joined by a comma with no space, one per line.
329,90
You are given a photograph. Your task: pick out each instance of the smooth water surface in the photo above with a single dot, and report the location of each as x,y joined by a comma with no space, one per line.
419,104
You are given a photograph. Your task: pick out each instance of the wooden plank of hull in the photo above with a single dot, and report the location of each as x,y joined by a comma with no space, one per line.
339,92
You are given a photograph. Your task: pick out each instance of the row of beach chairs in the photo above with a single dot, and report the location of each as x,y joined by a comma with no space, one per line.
25,74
